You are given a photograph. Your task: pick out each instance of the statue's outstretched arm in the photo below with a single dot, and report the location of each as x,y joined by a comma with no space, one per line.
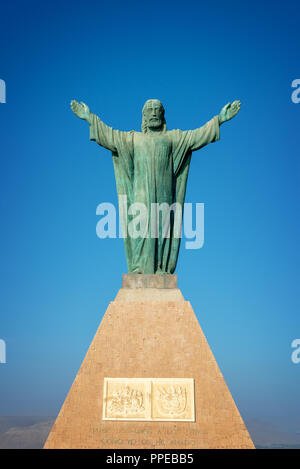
99,132
210,132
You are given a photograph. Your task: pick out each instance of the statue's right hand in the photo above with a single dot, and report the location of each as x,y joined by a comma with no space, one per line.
81,110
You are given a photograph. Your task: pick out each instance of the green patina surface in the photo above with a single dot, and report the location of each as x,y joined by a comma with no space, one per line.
151,167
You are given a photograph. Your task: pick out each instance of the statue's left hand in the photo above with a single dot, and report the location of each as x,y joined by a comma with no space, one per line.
81,110
229,111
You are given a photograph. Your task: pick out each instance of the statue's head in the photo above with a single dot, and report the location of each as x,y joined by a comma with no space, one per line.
153,116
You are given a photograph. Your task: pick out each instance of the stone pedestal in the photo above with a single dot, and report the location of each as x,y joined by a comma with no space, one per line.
149,379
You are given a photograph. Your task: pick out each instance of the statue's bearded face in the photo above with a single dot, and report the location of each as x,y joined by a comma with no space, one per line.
154,114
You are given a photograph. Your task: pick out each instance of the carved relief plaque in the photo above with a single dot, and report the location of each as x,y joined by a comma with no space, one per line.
151,399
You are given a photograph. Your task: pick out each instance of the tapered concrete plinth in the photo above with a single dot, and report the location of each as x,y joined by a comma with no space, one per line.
149,332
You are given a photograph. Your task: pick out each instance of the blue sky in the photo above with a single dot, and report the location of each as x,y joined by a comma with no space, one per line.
57,277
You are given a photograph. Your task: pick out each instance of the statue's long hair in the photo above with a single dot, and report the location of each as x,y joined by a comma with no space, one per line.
144,122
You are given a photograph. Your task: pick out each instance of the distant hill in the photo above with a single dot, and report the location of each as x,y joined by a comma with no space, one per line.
24,432
266,435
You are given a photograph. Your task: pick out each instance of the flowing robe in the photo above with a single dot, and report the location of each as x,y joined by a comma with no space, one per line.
152,168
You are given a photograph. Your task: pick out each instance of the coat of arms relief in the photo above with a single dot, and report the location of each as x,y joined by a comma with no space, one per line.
149,399
172,400
126,401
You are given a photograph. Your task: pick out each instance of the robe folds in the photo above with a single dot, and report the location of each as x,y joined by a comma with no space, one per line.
152,168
